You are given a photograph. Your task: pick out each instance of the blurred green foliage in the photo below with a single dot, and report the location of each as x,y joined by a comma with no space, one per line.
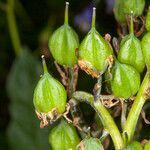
24,131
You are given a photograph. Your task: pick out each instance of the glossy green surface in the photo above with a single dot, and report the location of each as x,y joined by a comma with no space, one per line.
49,93
125,80
118,10
23,132
94,50
63,137
134,146
147,146
131,53
146,48
147,25
137,6
92,144
62,44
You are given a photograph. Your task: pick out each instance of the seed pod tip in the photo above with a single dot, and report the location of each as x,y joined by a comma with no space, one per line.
131,23
42,56
66,12
94,8
93,16
67,3
44,64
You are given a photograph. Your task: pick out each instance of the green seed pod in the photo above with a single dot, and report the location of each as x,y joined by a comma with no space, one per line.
134,146
94,52
90,143
63,137
118,11
63,43
146,49
49,94
125,80
130,50
137,6
148,20
147,146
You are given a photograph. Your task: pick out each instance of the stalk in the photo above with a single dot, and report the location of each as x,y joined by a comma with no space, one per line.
93,17
66,12
44,65
109,125
104,115
131,24
71,82
136,108
75,112
14,35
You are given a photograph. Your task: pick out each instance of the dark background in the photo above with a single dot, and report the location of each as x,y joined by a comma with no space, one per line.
36,20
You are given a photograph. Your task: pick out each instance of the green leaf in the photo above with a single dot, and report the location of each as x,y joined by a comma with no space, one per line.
24,132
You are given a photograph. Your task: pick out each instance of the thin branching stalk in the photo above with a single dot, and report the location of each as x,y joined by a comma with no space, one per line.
104,115
71,82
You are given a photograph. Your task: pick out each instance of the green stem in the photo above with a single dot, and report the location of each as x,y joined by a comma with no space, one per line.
136,108
97,88
109,125
93,17
13,27
66,12
104,115
131,24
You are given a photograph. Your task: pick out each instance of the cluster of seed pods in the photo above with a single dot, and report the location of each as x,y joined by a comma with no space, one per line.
95,56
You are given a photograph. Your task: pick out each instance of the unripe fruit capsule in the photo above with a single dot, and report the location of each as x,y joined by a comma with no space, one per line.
124,7
63,43
134,146
49,94
147,25
118,11
90,143
130,50
147,146
125,80
64,137
146,49
137,6
94,51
